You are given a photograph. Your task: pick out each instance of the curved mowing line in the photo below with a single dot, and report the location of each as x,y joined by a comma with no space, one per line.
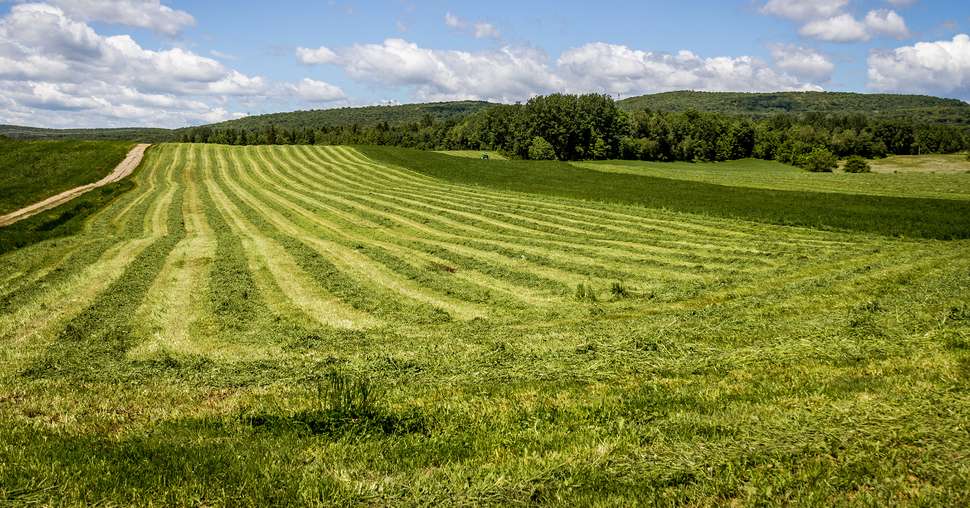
580,253
308,198
152,179
711,226
407,254
172,307
416,271
734,246
358,265
487,196
646,237
267,256
420,265
538,269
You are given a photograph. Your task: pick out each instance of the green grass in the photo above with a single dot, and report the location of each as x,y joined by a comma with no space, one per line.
31,171
306,326
935,164
886,215
474,154
951,183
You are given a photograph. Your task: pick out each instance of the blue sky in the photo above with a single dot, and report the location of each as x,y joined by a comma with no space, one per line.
172,62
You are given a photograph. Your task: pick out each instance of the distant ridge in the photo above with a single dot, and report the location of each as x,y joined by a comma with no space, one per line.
142,134
916,107
367,116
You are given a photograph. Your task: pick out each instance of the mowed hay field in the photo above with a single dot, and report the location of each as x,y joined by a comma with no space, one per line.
306,325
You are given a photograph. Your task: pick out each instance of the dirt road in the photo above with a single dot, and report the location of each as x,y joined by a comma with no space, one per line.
122,170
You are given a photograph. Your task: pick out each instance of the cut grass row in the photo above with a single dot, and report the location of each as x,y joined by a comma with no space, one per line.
884,215
801,355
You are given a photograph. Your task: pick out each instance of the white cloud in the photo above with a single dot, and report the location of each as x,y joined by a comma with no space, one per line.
841,28
611,68
321,55
311,90
480,29
805,63
926,67
887,22
827,20
801,10
504,74
51,63
150,14
514,73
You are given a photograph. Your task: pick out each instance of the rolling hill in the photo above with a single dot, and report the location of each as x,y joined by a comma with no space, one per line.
143,134
917,107
367,116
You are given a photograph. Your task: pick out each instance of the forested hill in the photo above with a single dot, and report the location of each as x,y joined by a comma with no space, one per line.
921,108
367,116
142,134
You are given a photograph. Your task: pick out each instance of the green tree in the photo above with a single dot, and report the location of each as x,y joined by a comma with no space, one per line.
541,150
856,164
819,160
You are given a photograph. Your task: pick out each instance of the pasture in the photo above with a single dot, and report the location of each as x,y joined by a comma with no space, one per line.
954,183
331,325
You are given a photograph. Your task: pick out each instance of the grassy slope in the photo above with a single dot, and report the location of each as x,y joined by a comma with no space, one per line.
955,184
918,217
33,170
913,107
175,352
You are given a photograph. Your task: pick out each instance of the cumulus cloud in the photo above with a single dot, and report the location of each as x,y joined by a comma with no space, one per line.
613,68
311,90
321,55
805,63
888,23
841,28
514,73
828,20
150,14
941,67
504,74
51,63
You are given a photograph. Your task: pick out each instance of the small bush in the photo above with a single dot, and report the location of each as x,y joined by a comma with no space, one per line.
541,150
351,397
819,160
856,164
619,291
585,293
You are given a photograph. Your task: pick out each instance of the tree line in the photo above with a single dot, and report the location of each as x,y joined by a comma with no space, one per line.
583,127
